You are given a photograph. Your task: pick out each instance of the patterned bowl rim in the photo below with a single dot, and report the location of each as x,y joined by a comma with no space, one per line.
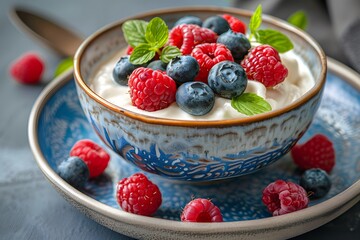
201,123
312,217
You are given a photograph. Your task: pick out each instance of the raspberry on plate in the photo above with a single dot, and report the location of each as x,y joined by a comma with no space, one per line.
201,210
74,171
95,157
27,69
151,90
207,55
137,194
187,36
263,64
235,24
283,197
317,152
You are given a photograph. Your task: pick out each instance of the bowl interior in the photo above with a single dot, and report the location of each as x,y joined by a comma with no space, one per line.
110,40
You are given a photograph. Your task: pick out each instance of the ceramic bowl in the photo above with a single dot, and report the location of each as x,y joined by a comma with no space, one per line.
197,150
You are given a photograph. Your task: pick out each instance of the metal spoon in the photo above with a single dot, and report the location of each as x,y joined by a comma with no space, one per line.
50,33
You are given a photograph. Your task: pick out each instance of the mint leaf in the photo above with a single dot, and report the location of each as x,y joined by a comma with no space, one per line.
255,20
142,54
298,19
274,38
64,65
168,53
157,32
134,32
250,104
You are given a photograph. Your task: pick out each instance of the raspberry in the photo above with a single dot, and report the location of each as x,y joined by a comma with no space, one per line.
187,36
27,69
95,157
137,194
317,152
201,210
151,90
283,197
207,55
129,50
235,24
263,64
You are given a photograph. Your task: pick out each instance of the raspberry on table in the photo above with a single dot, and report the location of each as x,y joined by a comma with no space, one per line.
151,90
74,171
207,55
187,36
263,64
283,197
201,210
235,24
95,157
317,152
27,69
137,194
316,182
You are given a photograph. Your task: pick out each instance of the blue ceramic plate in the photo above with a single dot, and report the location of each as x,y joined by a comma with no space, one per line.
57,122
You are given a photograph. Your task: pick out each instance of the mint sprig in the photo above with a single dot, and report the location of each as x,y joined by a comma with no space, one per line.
298,19
250,104
147,38
272,37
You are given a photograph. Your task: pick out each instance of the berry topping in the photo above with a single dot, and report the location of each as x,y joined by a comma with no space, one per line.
137,194
195,98
216,23
122,70
95,157
263,64
187,36
151,90
235,24
157,65
207,55
189,20
74,171
316,182
317,152
201,210
227,79
27,69
129,50
283,197
183,69
236,42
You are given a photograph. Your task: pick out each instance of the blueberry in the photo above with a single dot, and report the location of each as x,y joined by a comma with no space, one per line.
227,79
183,69
189,20
316,182
122,70
157,65
74,171
195,98
216,23
236,42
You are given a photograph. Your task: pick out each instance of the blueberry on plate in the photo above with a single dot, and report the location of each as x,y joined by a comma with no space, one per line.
74,171
216,23
195,98
183,69
316,182
227,79
157,65
236,42
123,69
189,20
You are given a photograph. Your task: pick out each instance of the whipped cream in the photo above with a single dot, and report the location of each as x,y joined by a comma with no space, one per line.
297,83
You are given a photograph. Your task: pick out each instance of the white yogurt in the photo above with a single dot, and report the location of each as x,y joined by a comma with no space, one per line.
297,83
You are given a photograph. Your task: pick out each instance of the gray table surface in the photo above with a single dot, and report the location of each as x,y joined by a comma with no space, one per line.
29,207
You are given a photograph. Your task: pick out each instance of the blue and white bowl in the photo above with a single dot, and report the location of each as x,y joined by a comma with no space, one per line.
197,150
